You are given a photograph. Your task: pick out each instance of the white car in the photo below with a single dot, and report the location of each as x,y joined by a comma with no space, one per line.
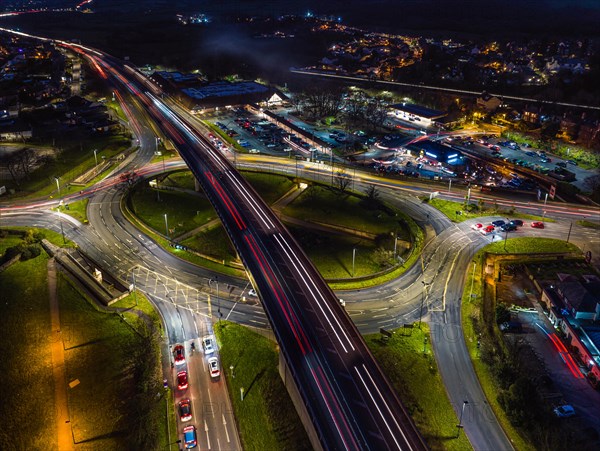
213,366
253,151
252,292
208,344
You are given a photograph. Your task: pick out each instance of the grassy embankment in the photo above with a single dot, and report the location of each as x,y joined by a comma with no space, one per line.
106,354
266,417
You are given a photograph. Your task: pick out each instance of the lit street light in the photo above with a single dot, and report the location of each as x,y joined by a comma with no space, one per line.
353,259
57,185
167,226
96,158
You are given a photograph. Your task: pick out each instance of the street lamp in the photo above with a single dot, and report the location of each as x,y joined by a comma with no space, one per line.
425,285
459,425
232,374
353,258
57,185
167,226
216,281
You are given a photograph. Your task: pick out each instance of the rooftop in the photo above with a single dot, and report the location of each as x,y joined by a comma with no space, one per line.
225,89
418,110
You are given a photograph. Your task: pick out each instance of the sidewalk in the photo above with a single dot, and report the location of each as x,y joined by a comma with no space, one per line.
61,404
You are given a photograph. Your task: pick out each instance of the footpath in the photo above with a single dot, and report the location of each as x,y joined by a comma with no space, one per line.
61,405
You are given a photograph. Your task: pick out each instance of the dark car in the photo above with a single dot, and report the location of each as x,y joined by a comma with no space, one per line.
178,355
573,162
185,410
189,436
498,223
516,222
561,164
509,227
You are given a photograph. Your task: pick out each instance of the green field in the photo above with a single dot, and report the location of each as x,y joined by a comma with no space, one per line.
332,254
322,204
269,186
77,209
266,417
530,245
117,363
416,380
26,381
184,211
213,243
76,158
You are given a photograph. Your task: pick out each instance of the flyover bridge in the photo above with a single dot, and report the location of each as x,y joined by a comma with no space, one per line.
348,400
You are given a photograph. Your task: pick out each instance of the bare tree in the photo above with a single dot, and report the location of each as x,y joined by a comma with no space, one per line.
342,181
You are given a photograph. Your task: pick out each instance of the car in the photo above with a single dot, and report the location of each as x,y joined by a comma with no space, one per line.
207,344
516,222
573,162
252,292
509,227
561,164
477,226
565,411
182,380
189,437
511,326
213,366
179,355
537,225
530,153
253,150
185,410
487,230
498,223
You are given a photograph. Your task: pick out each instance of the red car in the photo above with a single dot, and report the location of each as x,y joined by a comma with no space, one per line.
477,226
185,410
179,355
182,380
537,225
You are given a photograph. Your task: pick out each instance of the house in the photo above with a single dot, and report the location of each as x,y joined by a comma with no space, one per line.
488,102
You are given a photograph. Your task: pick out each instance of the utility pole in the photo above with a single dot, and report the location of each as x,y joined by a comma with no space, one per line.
167,226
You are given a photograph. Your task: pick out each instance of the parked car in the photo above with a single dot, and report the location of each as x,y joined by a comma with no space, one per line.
498,223
185,410
182,380
179,355
573,162
565,411
537,225
509,227
477,226
562,164
252,292
253,150
189,437
487,230
516,222
213,366
207,344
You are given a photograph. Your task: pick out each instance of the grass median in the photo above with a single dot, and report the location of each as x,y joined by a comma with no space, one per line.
407,361
266,417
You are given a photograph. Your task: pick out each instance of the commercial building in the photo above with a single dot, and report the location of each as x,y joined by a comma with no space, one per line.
418,114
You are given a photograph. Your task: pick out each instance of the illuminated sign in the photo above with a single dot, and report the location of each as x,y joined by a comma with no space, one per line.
432,155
